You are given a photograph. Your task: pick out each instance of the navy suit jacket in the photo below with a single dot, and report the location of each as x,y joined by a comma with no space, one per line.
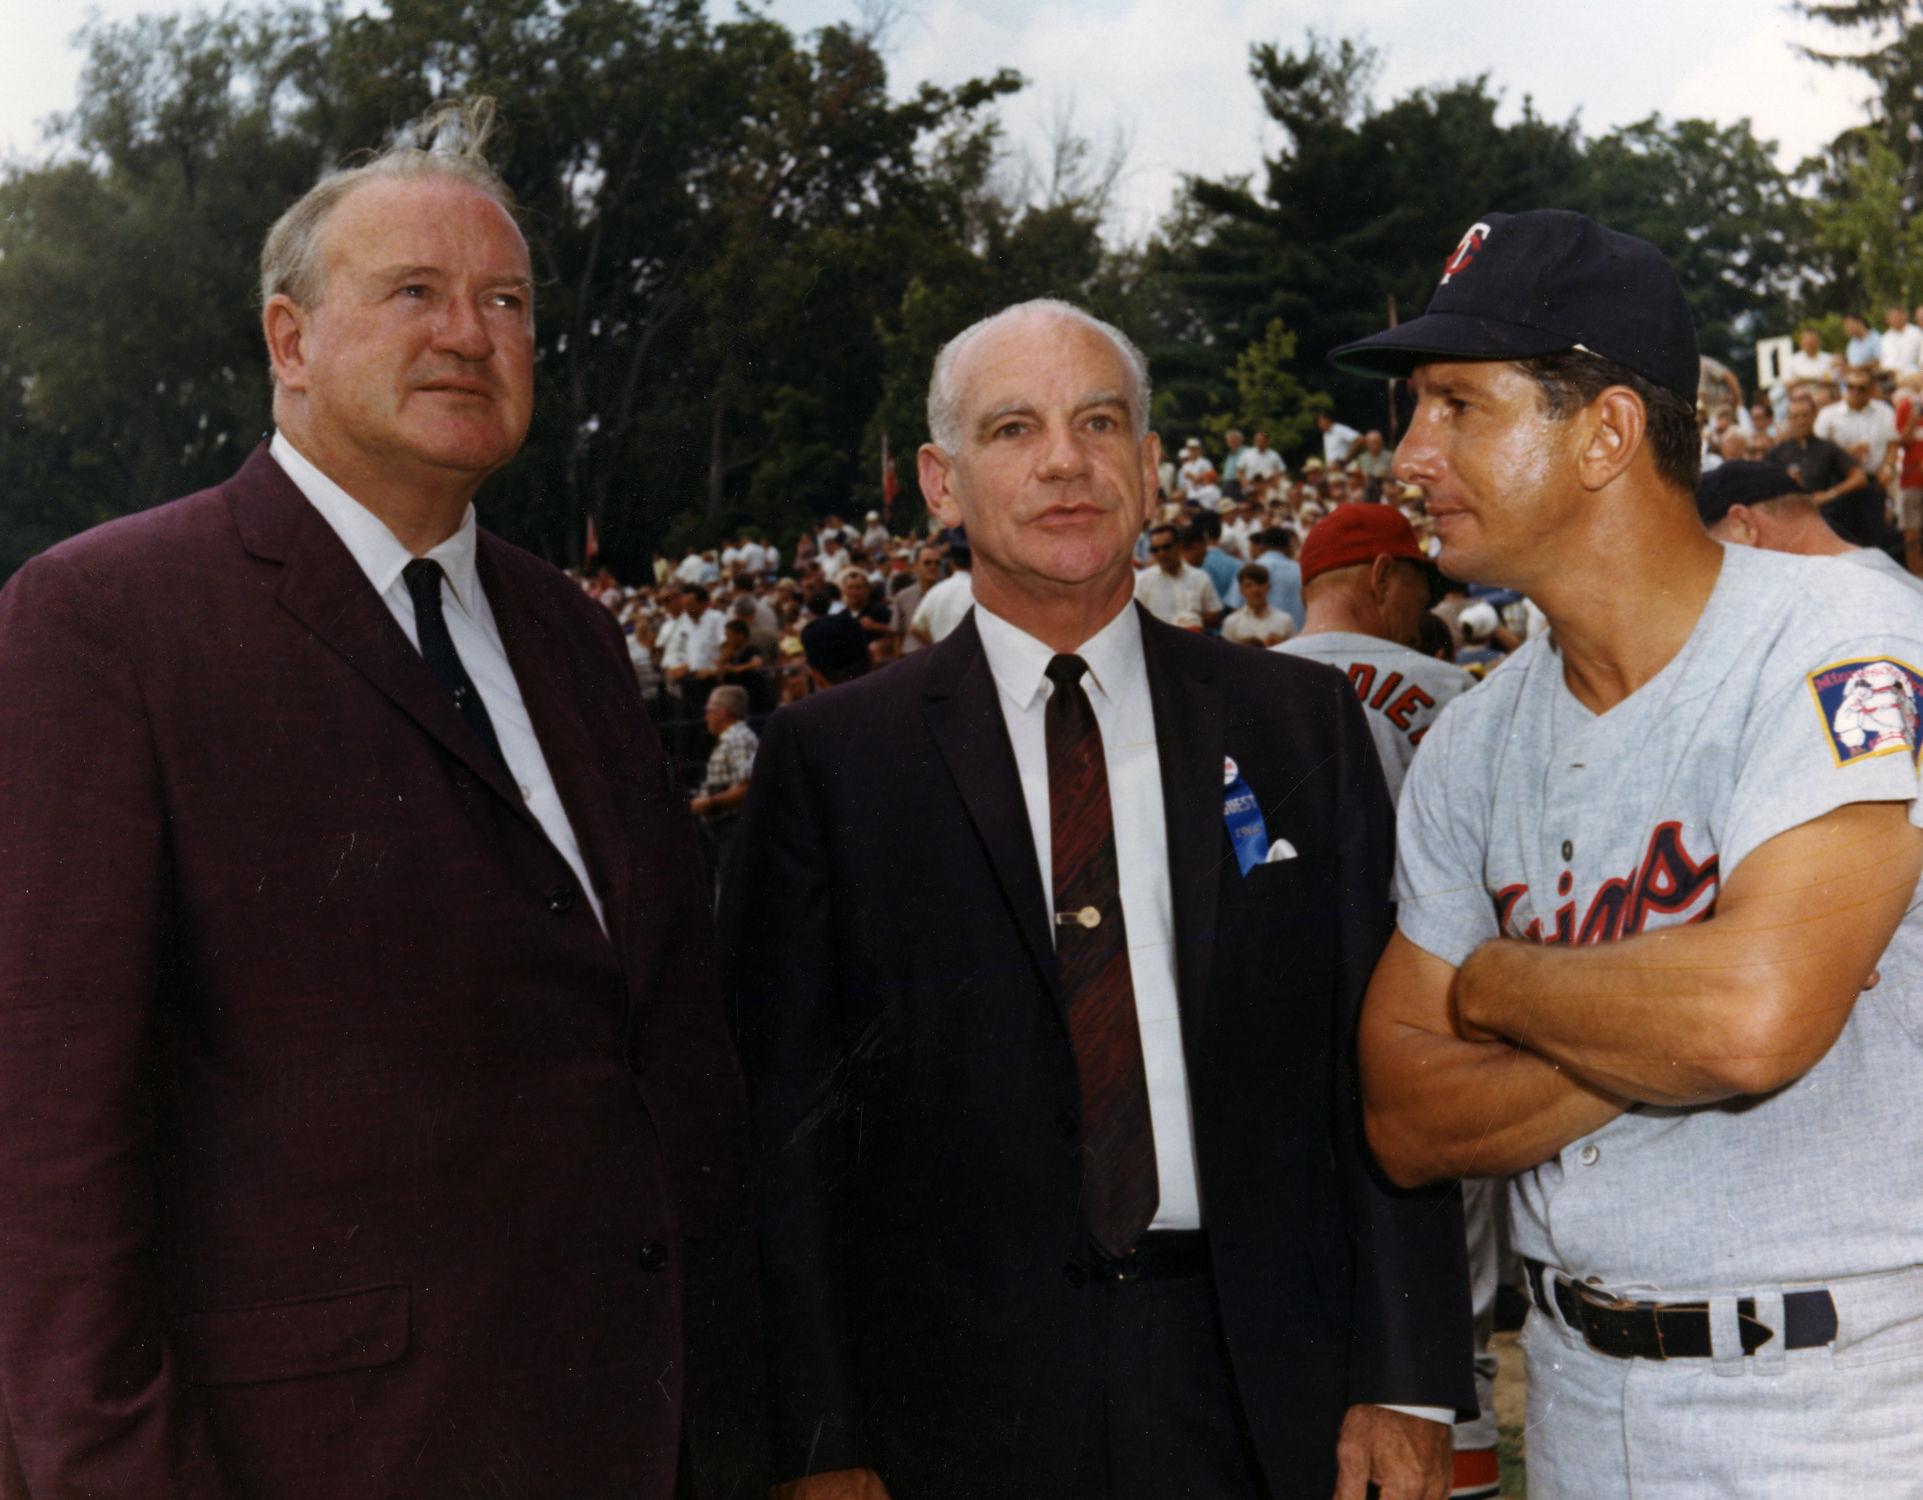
343,1153
886,948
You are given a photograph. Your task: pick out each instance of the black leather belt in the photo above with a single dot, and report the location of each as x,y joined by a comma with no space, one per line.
1160,1255
1676,1330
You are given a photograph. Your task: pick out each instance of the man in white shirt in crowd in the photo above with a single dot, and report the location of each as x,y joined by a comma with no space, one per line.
1339,440
1259,462
946,604
1808,362
1901,349
1170,586
1196,469
700,645
1256,623
1861,424
834,556
671,637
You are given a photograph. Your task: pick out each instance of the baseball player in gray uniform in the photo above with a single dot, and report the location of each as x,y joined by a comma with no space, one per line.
1646,873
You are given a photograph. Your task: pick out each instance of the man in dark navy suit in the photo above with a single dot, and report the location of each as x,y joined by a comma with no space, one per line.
1062,1189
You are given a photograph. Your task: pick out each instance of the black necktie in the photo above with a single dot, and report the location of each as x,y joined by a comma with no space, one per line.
423,577
1120,1189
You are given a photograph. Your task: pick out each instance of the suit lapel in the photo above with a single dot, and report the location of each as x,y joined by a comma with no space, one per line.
324,588
1190,728
554,705
964,717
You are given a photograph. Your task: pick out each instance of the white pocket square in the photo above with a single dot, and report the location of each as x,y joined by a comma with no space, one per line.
1280,850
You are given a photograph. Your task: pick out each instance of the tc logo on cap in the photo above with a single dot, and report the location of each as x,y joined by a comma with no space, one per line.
1465,251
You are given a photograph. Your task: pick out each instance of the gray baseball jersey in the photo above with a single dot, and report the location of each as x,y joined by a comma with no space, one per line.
1527,815
1402,690
1877,560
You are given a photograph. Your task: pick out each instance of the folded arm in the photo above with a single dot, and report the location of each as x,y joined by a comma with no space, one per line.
1494,1068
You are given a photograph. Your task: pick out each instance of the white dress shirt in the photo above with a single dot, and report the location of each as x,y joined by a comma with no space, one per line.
673,640
1874,427
470,623
1117,687
1166,595
1336,443
945,605
706,637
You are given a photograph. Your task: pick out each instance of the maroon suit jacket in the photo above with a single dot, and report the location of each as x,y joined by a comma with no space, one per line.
341,1153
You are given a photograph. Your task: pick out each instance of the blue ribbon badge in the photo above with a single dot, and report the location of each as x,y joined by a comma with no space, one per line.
1240,811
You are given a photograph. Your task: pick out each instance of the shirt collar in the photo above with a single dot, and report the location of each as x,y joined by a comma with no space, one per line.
377,551
1019,663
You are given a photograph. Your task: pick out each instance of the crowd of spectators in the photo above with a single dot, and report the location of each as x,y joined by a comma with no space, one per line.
1846,421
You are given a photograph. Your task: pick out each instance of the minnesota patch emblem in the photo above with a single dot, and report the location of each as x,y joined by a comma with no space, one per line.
1868,707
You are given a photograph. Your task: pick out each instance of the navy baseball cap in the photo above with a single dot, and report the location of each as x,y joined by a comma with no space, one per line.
1543,282
1742,481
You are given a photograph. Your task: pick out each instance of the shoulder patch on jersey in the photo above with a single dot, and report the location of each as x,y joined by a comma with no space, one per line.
1868,707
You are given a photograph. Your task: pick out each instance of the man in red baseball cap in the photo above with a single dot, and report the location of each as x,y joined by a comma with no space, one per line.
1365,584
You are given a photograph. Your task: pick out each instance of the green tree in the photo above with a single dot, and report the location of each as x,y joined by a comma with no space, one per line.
1359,205
1874,244
1268,396
1891,58
1712,199
719,215
127,322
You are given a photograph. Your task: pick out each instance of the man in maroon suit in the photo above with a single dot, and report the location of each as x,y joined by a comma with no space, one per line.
368,1125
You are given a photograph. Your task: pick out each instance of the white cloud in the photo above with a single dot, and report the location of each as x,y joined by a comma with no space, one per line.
1172,75
1800,104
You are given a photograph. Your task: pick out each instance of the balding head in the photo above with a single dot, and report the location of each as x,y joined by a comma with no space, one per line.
945,383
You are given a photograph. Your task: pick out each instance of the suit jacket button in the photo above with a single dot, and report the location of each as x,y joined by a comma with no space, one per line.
560,900
1075,1274
1066,1124
654,1256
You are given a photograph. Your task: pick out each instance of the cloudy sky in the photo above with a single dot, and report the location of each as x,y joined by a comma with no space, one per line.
1170,77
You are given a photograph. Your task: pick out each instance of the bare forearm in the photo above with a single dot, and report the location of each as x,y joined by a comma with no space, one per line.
1625,1020
1449,1108
1439,1106
1742,1003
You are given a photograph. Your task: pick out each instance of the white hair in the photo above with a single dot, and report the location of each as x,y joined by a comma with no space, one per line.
944,402
731,698
450,140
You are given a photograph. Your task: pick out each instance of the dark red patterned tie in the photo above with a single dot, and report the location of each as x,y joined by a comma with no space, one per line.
1119,1187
